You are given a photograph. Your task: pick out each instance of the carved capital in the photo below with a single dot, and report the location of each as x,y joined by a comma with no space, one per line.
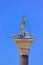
24,51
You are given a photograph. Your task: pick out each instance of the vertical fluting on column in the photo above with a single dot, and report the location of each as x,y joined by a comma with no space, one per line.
23,59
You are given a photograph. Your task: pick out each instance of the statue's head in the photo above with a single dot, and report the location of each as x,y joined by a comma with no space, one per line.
24,19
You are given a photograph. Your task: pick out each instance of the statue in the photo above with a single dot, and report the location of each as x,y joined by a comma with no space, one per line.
22,33
23,24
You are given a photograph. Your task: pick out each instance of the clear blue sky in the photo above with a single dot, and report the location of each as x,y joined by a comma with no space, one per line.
11,12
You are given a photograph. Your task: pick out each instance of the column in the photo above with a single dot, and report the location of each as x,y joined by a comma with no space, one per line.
24,56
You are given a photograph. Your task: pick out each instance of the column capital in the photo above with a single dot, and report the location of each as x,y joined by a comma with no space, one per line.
24,45
24,51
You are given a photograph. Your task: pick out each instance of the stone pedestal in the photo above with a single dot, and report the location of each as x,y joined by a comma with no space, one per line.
24,48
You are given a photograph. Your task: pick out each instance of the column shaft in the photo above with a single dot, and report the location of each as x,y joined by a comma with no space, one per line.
23,59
